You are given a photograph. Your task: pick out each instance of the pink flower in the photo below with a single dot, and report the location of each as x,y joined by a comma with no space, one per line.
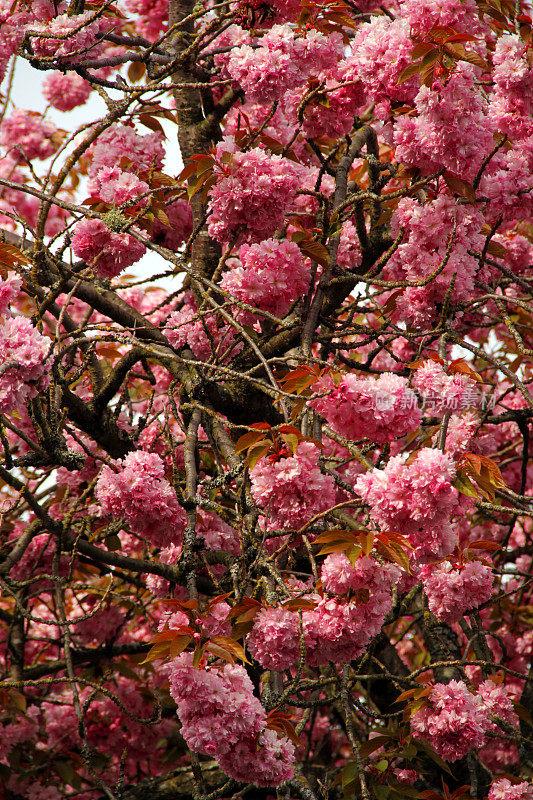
78,36
451,130
282,61
463,436
9,290
503,789
155,583
339,576
452,592
220,716
274,639
272,276
24,370
65,91
186,327
216,707
251,197
507,184
29,135
454,722
109,252
102,625
180,217
381,409
381,49
422,15
349,252
116,187
152,17
292,489
122,142
339,631
496,699
416,499
265,762
436,240
140,493
441,390
512,71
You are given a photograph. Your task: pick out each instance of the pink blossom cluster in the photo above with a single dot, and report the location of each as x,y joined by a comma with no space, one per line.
381,49
116,187
229,39
151,17
422,15
216,533
99,623
9,290
113,726
415,499
21,205
496,698
339,576
509,114
201,332
78,36
451,130
251,197
123,142
519,251
463,436
33,789
38,559
107,251
444,391
221,717
507,185
141,494
15,732
503,789
282,61
380,409
24,370
335,630
159,586
28,136
331,112
305,205
349,251
457,720
454,721
292,489
513,74
65,91
451,592
272,275
212,624
436,240
274,640
339,631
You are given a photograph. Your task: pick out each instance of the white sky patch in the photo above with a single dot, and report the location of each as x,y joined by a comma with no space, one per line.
27,94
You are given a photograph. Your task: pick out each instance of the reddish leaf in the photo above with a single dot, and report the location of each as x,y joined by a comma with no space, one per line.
246,605
230,645
459,186
315,251
248,440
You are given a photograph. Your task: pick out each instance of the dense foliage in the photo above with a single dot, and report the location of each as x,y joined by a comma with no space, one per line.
266,499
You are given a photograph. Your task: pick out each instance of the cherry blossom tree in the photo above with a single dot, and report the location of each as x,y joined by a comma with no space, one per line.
265,497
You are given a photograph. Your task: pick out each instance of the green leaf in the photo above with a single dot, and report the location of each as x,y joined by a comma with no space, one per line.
464,485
